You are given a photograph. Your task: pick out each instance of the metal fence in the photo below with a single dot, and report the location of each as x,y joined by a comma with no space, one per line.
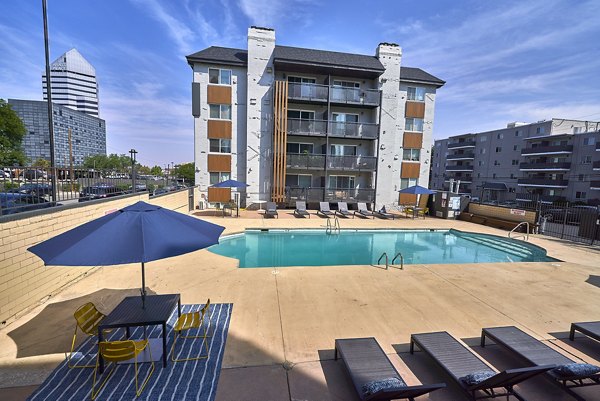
33,188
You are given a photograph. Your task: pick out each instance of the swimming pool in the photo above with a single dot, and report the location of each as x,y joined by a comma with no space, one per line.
283,248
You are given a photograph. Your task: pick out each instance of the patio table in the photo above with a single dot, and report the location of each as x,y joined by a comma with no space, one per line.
129,313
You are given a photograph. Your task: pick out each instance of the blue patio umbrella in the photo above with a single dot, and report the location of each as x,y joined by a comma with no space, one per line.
138,233
230,184
416,190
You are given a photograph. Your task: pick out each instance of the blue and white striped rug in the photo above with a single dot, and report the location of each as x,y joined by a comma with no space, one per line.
181,381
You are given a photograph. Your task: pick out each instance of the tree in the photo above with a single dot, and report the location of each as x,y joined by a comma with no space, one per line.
41,163
185,171
120,163
12,131
156,170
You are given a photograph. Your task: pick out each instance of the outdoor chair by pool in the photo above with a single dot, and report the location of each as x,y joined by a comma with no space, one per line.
373,375
363,211
343,210
568,374
121,351
590,329
300,210
87,319
192,321
478,379
271,210
382,213
324,210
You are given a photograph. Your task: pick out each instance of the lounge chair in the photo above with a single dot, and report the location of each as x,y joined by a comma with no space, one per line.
590,329
382,213
363,211
271,210
367,363
324,210
343,210
536,353
478,379
300,210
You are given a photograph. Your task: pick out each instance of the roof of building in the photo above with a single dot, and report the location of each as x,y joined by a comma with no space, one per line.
231,56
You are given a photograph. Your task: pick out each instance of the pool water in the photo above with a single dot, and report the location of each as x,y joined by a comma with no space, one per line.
283,248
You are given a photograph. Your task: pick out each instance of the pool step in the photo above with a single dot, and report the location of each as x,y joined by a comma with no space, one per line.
505,245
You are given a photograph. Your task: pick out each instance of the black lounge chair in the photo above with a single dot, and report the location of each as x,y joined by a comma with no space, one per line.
300,210
382,213
363,211
366,362
536,353
590,329
460,361
343,210
271,210
324,210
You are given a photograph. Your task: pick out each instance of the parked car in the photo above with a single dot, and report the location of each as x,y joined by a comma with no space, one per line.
35,189
99,191
35,175
160,191
573,214
12,202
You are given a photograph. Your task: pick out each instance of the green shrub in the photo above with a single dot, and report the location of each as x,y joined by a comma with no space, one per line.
69,187
9,185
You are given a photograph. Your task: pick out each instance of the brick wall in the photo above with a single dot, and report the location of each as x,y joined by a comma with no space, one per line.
24,280
501,212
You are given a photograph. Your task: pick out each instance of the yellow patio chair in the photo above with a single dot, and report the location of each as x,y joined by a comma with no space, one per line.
409,211
120,351
423,212
189,321
87,319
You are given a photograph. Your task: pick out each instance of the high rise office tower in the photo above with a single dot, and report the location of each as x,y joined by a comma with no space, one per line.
73,82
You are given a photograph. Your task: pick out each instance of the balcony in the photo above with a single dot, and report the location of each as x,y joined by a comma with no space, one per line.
305,161
296,126
595,185
312,194
542,182
461,145
461,156
308,92
547,166
459,168
358,163
548,150
596,165
355,96
354,130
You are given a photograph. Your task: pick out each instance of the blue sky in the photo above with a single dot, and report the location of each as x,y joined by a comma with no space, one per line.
503,60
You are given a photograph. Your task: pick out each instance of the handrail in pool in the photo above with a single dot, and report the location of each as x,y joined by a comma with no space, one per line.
387,265
525,236
401,260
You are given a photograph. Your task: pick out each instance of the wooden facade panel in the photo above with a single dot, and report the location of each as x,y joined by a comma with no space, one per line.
219,194
407,199
219,163
218,94
415,109
410,170
279,140
219,129
412,140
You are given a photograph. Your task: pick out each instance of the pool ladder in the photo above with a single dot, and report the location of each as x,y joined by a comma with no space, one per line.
333,228
387,264
524,236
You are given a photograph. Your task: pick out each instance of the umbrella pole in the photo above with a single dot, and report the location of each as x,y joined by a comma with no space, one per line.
143,287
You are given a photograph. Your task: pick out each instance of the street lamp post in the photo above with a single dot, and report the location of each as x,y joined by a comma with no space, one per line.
49,97
132,154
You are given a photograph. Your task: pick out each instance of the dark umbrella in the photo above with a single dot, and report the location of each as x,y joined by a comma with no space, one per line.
416,190
134,234
230,184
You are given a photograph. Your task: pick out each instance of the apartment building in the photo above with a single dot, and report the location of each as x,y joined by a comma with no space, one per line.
551,160
306,124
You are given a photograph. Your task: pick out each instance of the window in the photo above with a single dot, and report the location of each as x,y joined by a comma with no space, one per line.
580,195
346,84
515,162
217,177
498,149
416,93
496,163
512,176
300,148
220,111
220,145
481,163
494,175
301,114
500,136
516,147
414,124
341,182
581,177
483,139
219,77
586,159
589,141
298,180
517,133
301,80
540,130
482,151
412,155
408,182
343,150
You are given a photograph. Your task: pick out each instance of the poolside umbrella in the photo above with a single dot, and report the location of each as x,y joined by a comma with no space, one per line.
417,190
231,184
138,233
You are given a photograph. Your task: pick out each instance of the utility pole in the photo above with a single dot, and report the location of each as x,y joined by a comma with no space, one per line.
132,154
49,96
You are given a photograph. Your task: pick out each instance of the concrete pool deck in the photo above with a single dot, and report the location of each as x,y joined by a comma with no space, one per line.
285,320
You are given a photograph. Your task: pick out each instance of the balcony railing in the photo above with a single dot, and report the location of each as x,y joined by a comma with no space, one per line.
596,165
527,197
464,144
542,182
296,126
459,168
547,150
360,163
305,161
355,96
311,92
595,185
462,156
544,166
312,194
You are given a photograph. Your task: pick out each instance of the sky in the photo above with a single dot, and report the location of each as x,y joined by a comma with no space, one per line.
503,61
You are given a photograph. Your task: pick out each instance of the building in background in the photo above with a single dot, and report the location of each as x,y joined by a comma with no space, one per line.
73,83
88,133
550,160
313,125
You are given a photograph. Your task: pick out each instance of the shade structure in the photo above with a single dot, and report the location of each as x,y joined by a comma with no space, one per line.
417,190
138,233
230,184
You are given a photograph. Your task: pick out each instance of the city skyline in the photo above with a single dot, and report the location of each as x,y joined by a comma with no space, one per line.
502,62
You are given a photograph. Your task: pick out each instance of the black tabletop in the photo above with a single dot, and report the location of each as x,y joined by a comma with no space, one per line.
130,312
